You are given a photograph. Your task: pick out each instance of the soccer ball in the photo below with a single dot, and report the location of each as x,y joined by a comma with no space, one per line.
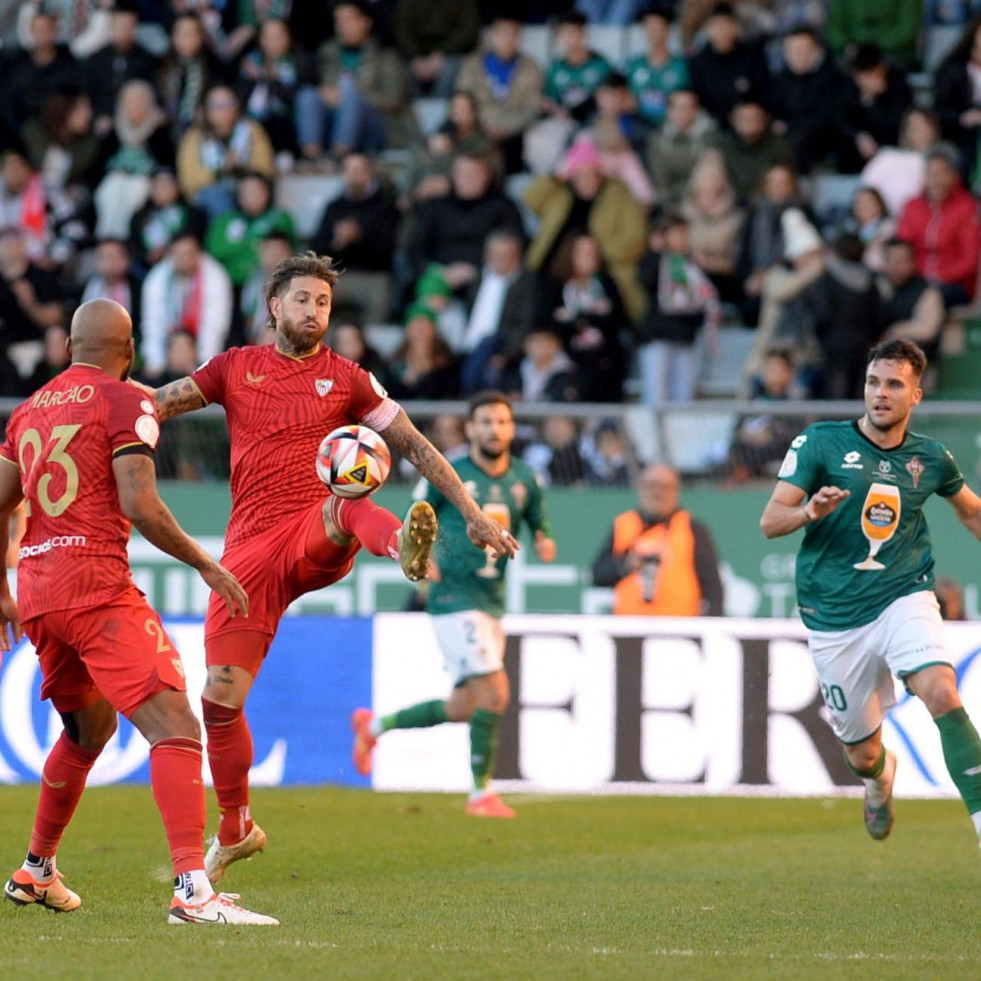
353,461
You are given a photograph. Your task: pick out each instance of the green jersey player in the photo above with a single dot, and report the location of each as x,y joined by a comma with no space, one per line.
467,601
865,575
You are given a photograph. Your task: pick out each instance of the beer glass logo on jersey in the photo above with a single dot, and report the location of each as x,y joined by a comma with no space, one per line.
880,519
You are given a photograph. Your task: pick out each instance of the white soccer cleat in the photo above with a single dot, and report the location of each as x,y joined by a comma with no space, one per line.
220,910
416,538
220,856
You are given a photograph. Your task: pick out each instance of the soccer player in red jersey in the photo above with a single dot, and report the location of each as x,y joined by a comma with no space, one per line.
79,452
284,539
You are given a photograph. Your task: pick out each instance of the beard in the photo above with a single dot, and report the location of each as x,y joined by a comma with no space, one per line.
293,338
493,452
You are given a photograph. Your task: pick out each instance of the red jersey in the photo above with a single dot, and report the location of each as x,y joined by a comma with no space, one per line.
63,440
279,408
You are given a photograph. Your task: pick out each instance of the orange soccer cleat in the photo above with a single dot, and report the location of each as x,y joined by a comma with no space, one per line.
489,805
364,741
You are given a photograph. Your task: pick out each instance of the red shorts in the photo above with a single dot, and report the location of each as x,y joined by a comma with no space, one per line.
275,567
119,650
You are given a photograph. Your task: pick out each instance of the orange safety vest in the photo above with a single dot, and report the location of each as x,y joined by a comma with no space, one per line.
669,585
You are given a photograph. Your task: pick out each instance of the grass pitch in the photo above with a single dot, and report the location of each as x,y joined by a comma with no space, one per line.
405,886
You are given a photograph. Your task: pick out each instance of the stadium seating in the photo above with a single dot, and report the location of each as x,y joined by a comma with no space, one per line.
305,196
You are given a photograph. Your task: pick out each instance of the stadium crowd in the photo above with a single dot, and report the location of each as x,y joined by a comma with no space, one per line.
573,227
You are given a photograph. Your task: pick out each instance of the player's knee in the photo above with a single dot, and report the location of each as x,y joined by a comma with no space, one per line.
863,758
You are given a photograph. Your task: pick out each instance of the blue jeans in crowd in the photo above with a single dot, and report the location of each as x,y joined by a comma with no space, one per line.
353,123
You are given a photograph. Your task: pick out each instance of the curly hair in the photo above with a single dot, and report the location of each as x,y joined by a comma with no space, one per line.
309,264
901,350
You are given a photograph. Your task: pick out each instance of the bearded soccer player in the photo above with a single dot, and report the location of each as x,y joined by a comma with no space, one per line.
467,602
865,575
283,538
80,453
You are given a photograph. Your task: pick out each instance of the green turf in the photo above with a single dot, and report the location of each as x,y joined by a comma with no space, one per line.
404,886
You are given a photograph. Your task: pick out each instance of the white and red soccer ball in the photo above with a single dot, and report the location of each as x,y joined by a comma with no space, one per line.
353,461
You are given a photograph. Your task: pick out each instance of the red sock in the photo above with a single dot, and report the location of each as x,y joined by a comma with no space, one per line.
178,789
230,756
373,526
62,782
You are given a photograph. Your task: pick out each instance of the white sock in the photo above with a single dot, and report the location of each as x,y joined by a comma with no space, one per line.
976,818
44,871
375,726
193,888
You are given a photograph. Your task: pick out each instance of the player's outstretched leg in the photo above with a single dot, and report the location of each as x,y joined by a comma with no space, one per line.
367,727
962,754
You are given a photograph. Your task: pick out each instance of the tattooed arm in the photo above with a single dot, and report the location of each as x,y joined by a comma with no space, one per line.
177,398
136,483
481,530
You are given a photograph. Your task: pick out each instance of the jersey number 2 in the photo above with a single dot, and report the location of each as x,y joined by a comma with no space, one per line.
57,455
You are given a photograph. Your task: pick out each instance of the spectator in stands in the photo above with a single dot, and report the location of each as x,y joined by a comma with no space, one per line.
82,25
785,318
188,290
714,225
583,200
347,339
31,300
60,143
615,12
23,203
432,290
32,75
188,71
911,308
727,68
844,306
161,219
507,87
114,279
660,560
433,36
611,131
605,452
501,306
950,596
761,439
957,94
423,366
942,226
880,97
750,147
654,75
545,373
233,237
673,150
763,245
871,222
897,173
451,230
427,174
555,456
363,98
893,25
269,81
253,315
585,301
139,145
358,230
681,303
54,360
575,72
808,97
213,156
122,60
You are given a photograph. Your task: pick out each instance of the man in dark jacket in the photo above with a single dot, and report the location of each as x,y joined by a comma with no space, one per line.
879,97
358,231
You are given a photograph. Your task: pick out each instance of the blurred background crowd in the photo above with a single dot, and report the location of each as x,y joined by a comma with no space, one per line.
624,201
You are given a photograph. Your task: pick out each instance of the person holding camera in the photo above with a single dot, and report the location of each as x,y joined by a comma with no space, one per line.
659,560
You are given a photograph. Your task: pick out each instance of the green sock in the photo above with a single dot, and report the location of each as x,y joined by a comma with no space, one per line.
484,725
420,716
962,754
873,771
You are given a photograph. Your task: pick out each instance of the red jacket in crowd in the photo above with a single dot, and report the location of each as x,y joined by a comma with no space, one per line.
946,236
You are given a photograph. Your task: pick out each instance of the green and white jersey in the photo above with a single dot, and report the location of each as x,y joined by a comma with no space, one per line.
471,578
571,85
875,546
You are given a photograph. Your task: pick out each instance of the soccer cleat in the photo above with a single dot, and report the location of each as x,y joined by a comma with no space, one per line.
489,806
23,889
879,820
220,909
364,741
416,540
220,856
